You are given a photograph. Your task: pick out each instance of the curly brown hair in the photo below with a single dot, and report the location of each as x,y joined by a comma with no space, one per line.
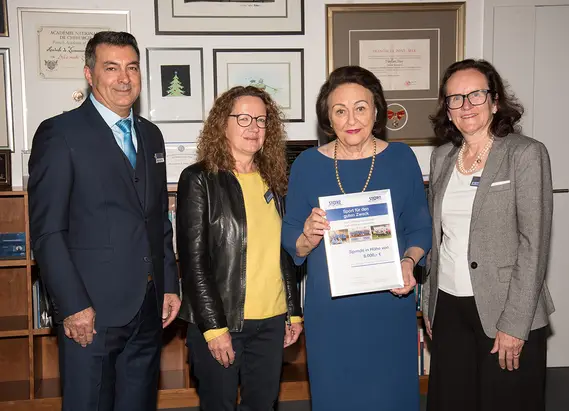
213,146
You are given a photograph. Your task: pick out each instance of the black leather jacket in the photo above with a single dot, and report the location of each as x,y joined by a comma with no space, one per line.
211,229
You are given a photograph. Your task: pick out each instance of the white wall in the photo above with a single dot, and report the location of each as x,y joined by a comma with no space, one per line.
142,26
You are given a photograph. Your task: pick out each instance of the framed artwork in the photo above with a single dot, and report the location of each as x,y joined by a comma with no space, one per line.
52,47
222,17
280,72
408,47
175,85
3,18
6,117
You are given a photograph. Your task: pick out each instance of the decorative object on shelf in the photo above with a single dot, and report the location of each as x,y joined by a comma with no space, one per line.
3,18
6,117
5,170
211,17
52,44
280,72
406,46
175,85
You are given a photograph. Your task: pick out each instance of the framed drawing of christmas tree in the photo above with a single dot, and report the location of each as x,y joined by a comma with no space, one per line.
175,85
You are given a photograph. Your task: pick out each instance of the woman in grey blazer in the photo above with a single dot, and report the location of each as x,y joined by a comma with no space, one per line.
485,302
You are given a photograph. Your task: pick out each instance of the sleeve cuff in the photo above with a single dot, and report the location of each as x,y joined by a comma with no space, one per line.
211,334
295,319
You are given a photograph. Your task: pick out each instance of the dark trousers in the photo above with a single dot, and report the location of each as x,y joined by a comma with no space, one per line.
465,376
258,362
119,370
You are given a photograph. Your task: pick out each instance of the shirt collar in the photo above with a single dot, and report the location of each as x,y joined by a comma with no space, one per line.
108,115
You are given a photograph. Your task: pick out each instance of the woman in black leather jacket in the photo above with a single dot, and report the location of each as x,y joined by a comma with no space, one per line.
239,287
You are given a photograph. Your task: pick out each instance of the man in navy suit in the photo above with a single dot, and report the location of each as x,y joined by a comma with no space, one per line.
101,235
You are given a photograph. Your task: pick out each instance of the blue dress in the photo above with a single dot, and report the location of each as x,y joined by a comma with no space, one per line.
361,350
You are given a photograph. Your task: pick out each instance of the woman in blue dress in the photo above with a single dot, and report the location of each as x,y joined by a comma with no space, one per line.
361,349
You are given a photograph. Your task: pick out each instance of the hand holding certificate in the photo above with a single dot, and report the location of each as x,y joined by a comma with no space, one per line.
361,245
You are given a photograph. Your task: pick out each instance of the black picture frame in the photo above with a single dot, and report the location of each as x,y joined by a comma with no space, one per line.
4,18
221,22
5,170
284,65
295,147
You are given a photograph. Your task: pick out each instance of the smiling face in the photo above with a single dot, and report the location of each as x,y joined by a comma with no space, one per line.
470,120
115,79
244,142
352,113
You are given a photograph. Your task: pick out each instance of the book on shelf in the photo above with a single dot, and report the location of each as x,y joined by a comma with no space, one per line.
13,245
41,304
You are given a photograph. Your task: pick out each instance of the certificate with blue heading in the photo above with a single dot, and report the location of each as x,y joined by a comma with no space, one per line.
361,245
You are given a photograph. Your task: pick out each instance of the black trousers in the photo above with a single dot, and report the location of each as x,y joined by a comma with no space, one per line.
258,362
119,370
465,376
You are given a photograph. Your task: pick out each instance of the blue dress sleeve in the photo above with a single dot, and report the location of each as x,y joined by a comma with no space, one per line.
415,218
298,207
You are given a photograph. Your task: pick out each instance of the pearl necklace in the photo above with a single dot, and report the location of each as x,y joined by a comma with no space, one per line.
338,174
477,160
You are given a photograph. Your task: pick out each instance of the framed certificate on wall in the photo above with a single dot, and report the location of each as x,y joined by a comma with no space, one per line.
408,47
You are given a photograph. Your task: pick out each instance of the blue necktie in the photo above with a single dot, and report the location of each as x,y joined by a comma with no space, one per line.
129,150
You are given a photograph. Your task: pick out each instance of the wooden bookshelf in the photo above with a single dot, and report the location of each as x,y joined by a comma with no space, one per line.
29,371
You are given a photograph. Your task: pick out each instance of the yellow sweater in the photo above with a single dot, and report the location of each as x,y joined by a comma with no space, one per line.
264,288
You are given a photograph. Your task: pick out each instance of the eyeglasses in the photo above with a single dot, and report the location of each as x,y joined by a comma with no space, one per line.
476,98
245,120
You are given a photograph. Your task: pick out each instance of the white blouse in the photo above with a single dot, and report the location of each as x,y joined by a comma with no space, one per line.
454,272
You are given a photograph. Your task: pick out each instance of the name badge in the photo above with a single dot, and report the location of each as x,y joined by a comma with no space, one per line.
475,182
268,196
159,157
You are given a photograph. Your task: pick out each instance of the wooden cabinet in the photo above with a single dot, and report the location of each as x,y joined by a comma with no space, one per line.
29,371
29,374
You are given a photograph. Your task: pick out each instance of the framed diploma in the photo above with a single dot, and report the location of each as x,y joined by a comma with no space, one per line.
408,47
52,53
361,246
178,157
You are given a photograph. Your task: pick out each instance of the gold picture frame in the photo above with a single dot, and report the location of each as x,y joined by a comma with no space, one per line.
408,47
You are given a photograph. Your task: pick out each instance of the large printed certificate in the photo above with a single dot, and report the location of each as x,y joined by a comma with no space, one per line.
361,245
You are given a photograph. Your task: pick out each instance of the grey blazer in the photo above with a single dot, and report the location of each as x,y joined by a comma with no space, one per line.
510,231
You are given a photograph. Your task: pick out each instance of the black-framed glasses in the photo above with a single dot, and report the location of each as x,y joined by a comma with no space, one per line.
245,120
476,98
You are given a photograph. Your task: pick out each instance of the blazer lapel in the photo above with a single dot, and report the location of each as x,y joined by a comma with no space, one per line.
493,163
142,138
441,183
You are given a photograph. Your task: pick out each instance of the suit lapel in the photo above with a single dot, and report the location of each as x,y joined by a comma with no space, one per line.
112,153
493,163
142,137
441,183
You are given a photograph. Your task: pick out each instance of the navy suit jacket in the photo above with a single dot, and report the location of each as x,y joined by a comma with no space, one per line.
94,240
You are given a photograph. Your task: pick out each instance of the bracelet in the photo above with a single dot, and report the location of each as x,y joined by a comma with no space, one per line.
410,258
